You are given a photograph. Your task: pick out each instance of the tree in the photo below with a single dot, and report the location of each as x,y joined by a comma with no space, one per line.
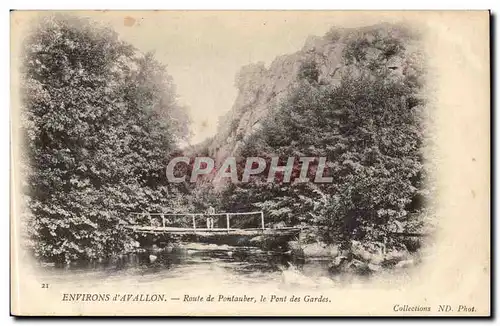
369,127
98,120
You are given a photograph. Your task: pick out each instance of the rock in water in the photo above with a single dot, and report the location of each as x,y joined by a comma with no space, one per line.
374,267
256,239
152,258
405,263
358,267
318,249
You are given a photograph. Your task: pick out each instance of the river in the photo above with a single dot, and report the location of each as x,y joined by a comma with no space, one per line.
224,264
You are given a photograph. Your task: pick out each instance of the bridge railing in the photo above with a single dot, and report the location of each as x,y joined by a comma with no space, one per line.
165,219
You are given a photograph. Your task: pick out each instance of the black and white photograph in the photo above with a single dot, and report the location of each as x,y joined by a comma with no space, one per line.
250,163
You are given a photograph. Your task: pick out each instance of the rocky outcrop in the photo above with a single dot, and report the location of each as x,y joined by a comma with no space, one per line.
261,88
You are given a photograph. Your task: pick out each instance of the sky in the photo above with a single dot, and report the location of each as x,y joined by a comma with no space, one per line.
203,51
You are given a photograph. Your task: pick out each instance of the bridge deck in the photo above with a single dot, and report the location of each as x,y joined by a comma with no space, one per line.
205,231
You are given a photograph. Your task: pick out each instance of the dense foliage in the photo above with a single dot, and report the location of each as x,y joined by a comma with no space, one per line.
369,127
98,120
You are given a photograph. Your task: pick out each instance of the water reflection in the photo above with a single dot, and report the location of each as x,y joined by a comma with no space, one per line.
191,260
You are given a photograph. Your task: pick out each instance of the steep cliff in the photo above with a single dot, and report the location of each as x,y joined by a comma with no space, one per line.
261,88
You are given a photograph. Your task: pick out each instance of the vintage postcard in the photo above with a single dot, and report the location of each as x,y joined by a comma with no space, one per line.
250,163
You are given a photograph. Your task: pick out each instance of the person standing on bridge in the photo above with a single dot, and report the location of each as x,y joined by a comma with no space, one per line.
210,220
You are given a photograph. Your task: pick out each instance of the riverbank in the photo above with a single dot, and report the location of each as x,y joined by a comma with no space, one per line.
361,258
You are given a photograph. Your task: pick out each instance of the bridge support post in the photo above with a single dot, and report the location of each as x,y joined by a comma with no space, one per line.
150,219
194,223
262,220
227,222
163,220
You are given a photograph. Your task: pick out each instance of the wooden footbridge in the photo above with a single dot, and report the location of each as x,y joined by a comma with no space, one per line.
161,223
